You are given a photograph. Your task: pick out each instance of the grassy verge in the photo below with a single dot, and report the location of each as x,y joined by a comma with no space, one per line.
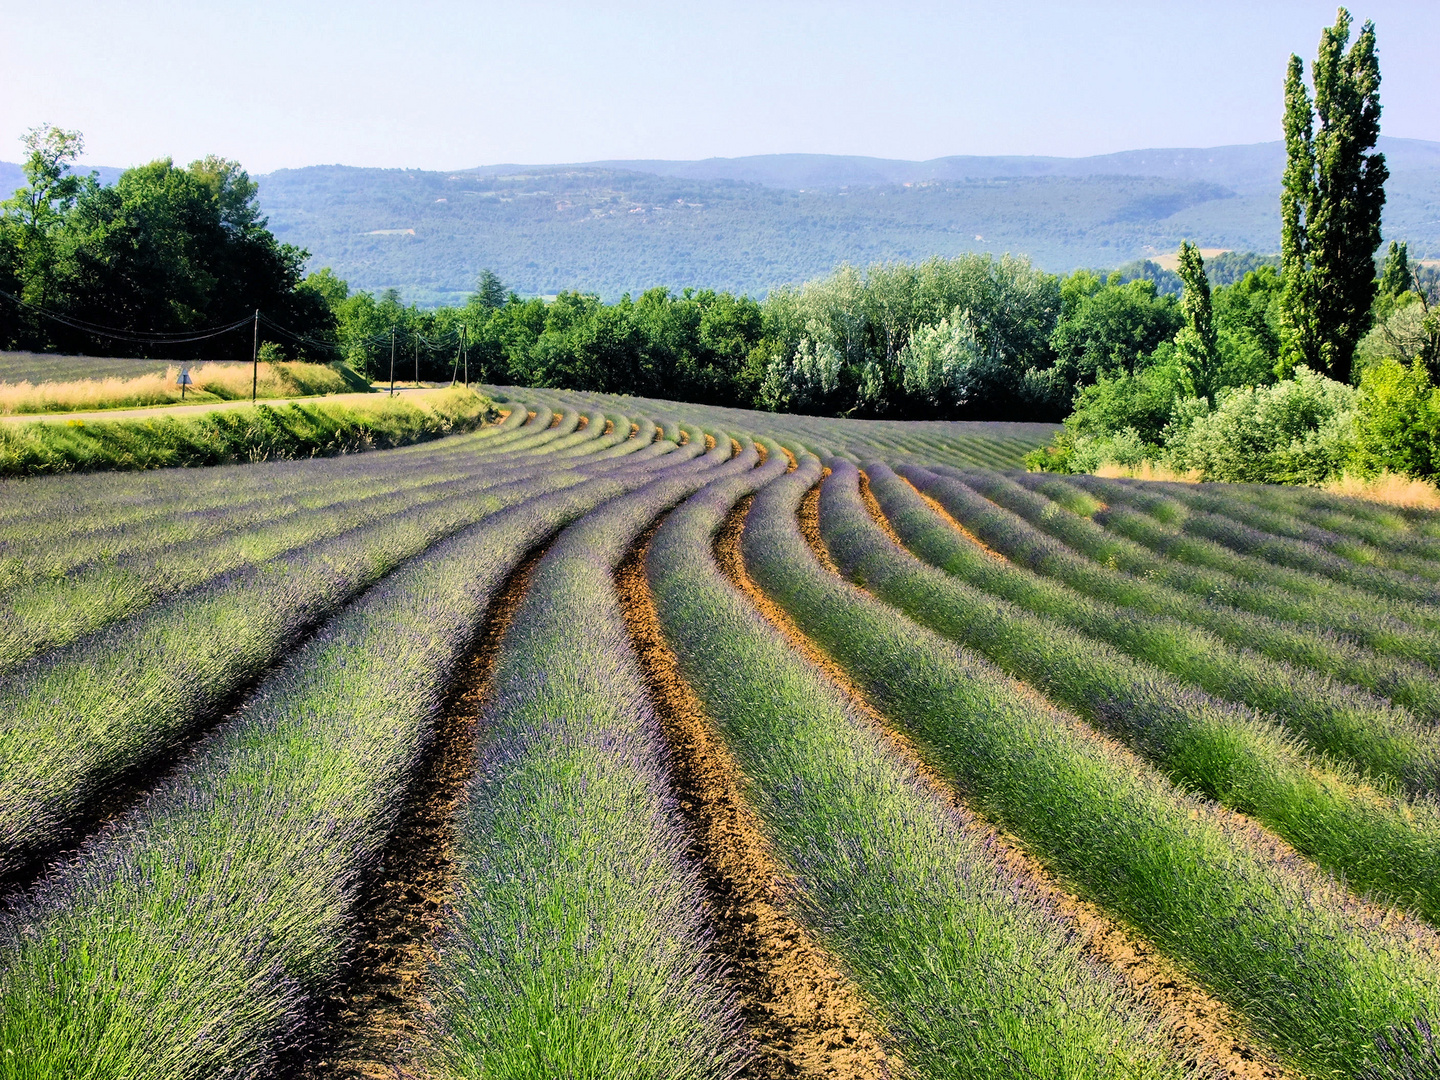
1383,741
579,944
194,939
212,382
1226,751
257,433
971,973
1319,978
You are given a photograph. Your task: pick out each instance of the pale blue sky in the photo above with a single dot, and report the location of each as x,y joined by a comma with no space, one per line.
443,84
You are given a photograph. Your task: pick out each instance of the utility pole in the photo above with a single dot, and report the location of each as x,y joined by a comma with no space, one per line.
254,359
392,361
464,356
417,361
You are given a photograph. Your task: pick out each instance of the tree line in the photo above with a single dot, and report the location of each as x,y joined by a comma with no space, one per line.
163,255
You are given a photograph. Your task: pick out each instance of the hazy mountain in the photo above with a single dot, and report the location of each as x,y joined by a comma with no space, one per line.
753,223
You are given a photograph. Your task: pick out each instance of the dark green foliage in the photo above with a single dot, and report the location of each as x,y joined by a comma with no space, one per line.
1395,273
161,251
1196,344
1109,327
1331,198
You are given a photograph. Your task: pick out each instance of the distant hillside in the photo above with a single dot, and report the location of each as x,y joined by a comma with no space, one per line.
750,224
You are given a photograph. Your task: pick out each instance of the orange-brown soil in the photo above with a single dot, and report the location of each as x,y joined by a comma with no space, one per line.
1205,1031
805,1017
372,1027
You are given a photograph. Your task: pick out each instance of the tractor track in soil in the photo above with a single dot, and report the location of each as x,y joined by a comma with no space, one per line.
373,1025
805,1017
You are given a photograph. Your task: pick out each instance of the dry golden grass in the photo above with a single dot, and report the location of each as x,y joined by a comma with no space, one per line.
1147,470
212,382
1390,488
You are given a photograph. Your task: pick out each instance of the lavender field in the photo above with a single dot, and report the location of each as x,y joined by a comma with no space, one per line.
624,738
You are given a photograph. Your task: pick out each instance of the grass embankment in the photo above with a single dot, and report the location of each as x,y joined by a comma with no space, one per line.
211,382
132,694
1320,978
1226,751
968,969
1383,741
197,937
1326,627
258,433
579,944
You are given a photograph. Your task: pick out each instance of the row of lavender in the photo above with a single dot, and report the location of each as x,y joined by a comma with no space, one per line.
195,937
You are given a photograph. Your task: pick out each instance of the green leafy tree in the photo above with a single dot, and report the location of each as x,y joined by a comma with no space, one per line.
489,290
1331,197
1395,275
34,218
1196,343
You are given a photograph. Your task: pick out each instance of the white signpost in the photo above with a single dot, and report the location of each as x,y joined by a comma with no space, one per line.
183,380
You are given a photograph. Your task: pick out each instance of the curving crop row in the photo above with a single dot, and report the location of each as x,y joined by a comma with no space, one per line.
1226,751
1364,613
57,609
969,970
1315,619
579,943
1010,533
195,938
1334,988
1273,517
1281,558
85,721
1383,741
1405,530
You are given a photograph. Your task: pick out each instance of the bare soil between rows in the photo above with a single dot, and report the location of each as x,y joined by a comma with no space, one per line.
373,1025
805,1017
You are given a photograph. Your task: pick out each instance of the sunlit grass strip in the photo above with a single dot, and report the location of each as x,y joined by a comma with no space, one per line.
1383,741
579,944
1239,547
249,433
1318,978
972,974
1008,532
1314,617
193,940
78,724
1226,751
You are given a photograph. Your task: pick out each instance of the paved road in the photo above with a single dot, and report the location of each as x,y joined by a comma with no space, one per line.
210,406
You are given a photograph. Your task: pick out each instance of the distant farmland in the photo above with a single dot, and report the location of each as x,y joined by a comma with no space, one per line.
625,738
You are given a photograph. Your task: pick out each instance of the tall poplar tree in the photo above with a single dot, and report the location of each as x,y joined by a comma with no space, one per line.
1330,202
1196,343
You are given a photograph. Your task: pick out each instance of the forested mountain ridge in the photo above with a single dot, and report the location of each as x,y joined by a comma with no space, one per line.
750,224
